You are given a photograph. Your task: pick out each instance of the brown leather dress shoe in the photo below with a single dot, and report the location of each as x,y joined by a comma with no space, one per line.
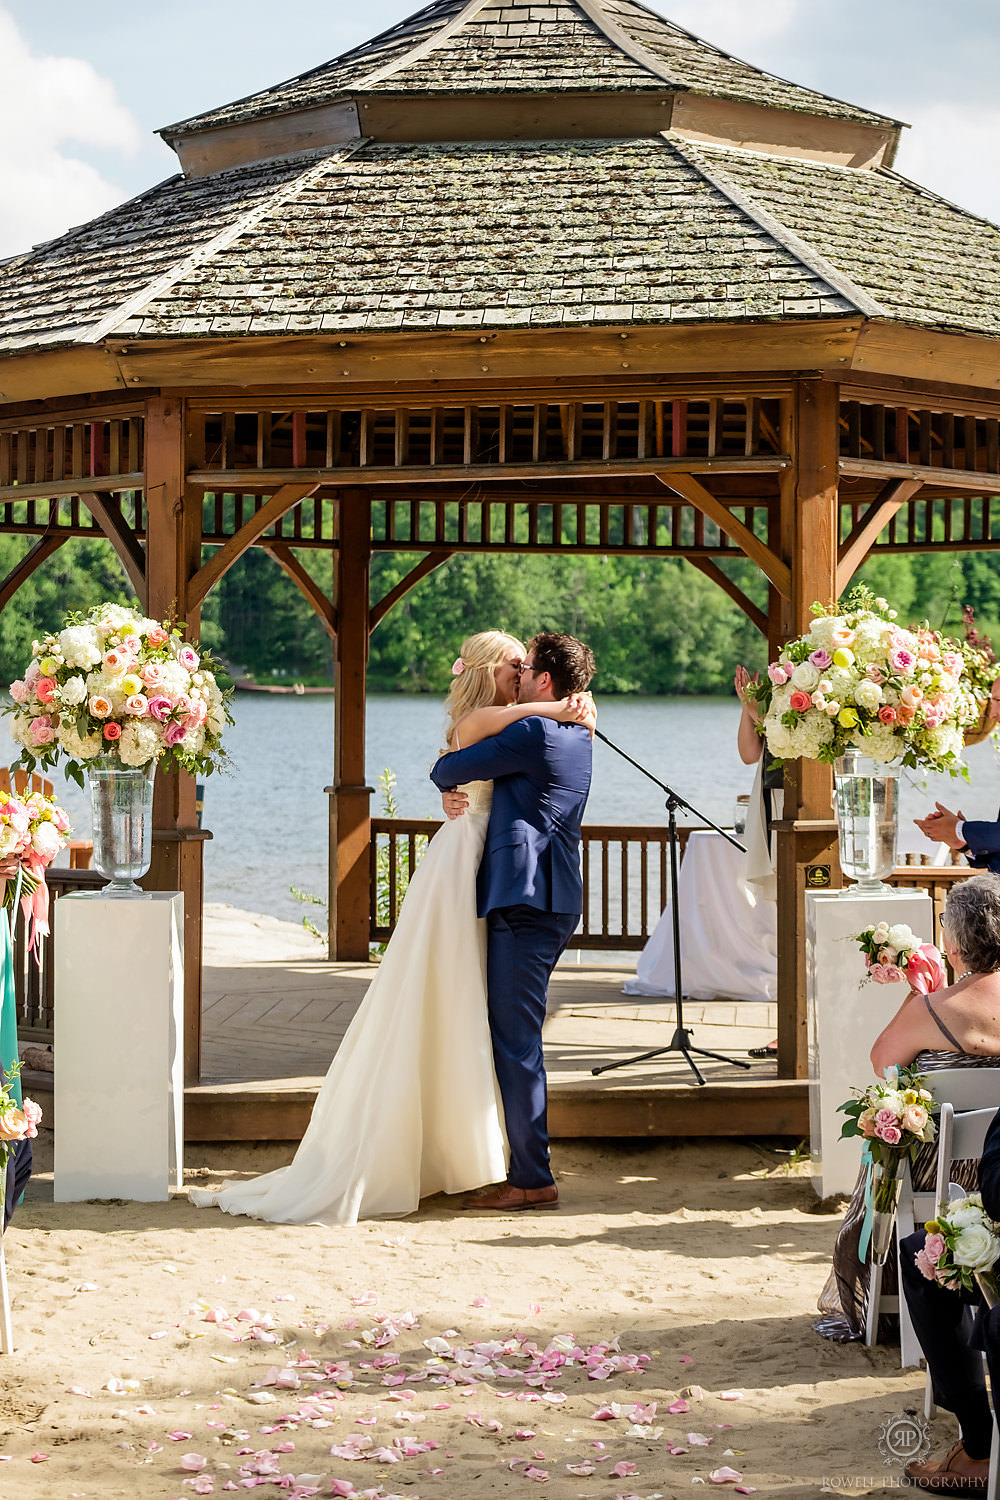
506,1198
955,1474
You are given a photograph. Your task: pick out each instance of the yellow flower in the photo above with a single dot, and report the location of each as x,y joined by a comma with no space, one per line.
847,718
842,657
131,683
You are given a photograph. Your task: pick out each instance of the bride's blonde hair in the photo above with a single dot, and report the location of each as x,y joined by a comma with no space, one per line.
474,685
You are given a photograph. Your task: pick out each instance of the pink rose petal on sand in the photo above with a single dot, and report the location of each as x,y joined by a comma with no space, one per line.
677,1408
745,1489
179,1436
541,1476
39,1458
686,1359
480,1302
524,1434
584,1468
77,1390
725,1475
203,1485
623,1470
535,1308
730,1395
698,1440
193,1462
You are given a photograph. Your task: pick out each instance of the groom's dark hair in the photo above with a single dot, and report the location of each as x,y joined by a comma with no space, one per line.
568,662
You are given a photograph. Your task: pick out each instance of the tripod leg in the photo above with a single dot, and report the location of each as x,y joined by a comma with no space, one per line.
627,1062
720,1057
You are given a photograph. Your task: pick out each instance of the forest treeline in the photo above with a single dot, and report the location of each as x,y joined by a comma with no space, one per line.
656,625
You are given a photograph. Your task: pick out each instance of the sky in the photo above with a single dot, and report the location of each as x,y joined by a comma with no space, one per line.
83,87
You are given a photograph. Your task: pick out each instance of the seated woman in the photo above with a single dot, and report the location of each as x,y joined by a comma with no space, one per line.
958,1027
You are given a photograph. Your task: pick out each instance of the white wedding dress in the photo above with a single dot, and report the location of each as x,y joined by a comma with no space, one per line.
410,1106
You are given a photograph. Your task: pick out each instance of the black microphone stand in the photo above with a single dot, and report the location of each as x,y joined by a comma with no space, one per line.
681,1039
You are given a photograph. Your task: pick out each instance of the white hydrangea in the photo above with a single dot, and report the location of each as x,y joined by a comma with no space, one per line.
946,741
79,646
843,683
880,743
176,679
820,635
20,725
193,742
872,638
868,695
141,742
78,746
117,617
73,691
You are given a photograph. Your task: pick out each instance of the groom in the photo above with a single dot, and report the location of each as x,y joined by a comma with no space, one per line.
530,892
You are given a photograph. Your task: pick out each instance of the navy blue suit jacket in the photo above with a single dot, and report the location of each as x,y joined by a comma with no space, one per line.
540,771
983,840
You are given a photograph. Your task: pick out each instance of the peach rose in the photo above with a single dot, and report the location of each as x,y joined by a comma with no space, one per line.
45,689
13,1124
99,706
151,674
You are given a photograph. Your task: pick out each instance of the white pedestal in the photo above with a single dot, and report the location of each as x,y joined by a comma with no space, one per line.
844,1020
119,1026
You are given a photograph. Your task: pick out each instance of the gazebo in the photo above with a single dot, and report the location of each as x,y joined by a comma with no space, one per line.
547,277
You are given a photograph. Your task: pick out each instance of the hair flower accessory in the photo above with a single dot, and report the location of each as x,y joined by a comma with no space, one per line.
457,667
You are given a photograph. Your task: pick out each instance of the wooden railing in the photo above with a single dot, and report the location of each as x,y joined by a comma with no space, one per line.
34,983
625,878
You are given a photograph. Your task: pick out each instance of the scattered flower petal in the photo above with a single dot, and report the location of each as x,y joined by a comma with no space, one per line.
725,1475
193,1462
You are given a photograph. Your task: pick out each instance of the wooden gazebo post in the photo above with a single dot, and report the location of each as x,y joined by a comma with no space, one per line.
807,837
350,800
173,553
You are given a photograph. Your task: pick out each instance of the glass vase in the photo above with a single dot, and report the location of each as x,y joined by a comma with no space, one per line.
121,804
887,1181
867,805
989,1284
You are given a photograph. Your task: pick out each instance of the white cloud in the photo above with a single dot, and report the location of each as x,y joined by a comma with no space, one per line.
47,103
737,26
954,150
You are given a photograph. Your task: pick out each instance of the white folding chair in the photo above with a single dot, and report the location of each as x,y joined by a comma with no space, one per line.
6,1328
965,1089
960,1138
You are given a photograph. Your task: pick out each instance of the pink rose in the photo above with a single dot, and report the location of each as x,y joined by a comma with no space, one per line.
821,659
925,1265
33,1114
936,711
778,674
925,970
188,658
112,731
45,689
876,675
173,734
132,645
893,974
33,673
877,972
138,703
157,638
934,1247
152,674
800,701
182,704
198,713
891,1134
952,663
60,819
116,660
901,660
161,708
41,731
884,1117
19,690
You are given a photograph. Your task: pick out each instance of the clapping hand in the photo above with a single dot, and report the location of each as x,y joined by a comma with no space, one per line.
741,682
941,826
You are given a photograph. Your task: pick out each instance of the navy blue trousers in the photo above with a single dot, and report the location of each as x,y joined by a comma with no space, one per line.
522,948
18,1172
955,1330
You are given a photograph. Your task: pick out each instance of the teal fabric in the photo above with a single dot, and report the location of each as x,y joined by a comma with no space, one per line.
8,1008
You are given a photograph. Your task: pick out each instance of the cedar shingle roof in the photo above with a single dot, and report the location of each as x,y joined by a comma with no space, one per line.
494,235
490,46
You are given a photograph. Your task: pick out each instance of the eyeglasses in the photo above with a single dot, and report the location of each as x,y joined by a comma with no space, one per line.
941,919
523,667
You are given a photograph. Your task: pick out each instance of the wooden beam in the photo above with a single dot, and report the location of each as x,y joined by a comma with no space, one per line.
231,551
109,518
110,483
303,580
247,480
971,481
350,801
421,570
43,548
855,547
754,615
758,551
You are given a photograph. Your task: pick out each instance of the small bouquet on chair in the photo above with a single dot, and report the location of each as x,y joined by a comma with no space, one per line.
33,829
893,1118
18,1122
962,1248
895,952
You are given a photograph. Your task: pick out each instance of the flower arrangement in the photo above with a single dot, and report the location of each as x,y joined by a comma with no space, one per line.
961,1242
33,829
115,684
893,1115
895,953
18,1122
857,680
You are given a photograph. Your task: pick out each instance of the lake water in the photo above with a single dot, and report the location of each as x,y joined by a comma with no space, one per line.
269,814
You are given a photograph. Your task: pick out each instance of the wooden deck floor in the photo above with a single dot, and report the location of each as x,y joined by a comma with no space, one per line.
270,1029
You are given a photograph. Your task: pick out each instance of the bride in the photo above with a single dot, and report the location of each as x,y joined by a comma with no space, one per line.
410,1105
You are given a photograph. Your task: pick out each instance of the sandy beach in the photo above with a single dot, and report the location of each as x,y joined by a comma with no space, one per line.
652,1332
